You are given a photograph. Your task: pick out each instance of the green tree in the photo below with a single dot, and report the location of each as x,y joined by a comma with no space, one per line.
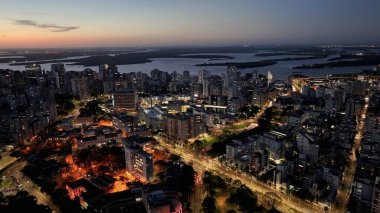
186,180
208,204
244,198
64,104
21,202
212,181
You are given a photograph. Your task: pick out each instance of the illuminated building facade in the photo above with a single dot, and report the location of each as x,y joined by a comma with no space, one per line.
138,162
124,100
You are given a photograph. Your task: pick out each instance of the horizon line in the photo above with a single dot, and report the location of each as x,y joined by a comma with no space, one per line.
370,45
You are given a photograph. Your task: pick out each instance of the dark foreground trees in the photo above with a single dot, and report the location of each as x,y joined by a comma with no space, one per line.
208,204
244,198
21,202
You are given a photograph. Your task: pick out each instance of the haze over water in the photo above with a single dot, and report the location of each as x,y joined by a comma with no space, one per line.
281,70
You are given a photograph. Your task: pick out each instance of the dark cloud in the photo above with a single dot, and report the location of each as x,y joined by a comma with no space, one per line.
51,27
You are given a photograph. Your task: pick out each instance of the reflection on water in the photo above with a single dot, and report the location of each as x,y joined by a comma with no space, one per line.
281,70
12,56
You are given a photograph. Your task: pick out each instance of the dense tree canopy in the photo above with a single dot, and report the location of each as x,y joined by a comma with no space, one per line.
244,198
91,108
21,202
64,104
208,204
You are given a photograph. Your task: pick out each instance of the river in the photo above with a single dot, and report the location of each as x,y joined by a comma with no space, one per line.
281,70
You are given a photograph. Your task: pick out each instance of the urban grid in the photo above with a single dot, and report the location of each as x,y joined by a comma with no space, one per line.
184,124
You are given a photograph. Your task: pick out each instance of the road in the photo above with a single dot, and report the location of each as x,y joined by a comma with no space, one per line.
76,111
28,185
6,159
344,191
252,121
198,195
202,164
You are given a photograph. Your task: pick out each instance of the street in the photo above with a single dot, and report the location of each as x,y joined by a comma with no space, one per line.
252,121
198,195
202,164
344,191
27,184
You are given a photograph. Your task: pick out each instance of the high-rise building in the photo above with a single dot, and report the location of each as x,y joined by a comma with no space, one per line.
186,76
233,74
181,127
205,87
224,80
124,100
124,122
376,197
196,90
60,70
138,162
259,98
353,108
54,76
218,100
231,82
80,87
76,85
307,147
33,68
215,89
178,127
259,160
356,87
234,89
340,96
107,71
155,74
202,74
158,75
33,71
203,79
270,78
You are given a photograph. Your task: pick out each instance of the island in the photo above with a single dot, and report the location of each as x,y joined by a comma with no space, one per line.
368,60
240,64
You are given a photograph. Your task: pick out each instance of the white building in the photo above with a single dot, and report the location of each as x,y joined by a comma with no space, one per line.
138,162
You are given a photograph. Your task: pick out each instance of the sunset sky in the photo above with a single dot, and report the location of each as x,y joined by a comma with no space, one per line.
87,23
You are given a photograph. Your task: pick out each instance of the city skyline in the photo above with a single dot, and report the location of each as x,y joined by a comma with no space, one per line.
178,106
180,23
